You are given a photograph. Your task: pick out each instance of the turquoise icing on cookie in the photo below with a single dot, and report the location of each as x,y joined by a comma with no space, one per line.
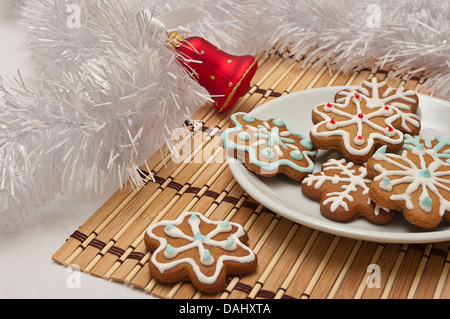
425,173
252,153
198,236
206,258
244,136
381,150
248,118
169,227
426,201
297,155
194,218
307,144
386,180
268,153
414,142
170,251
278,122
229,243
224,224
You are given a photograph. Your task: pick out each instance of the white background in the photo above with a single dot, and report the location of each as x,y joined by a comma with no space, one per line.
26,267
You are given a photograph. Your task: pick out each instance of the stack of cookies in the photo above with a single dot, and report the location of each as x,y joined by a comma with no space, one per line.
383,166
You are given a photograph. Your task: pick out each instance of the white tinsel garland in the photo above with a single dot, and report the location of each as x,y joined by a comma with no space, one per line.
104,104
110,92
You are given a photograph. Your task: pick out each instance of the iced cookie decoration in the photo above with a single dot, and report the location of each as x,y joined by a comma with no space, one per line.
362,119
439,144
269,147
198,250
342,188
416,182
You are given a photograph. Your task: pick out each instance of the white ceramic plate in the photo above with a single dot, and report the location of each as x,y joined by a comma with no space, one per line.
284,196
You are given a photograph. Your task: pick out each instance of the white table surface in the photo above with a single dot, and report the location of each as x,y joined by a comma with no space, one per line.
27,270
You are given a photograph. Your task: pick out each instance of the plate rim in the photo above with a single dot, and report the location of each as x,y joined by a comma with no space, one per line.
330,226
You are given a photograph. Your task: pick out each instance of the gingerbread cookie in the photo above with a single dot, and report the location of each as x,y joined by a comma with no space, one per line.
415,182
269,147
199,250
439,144
342,188
361,120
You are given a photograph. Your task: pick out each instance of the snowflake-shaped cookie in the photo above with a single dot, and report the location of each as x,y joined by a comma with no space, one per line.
342,188
269,147
194,248
365,118
415,182
439,144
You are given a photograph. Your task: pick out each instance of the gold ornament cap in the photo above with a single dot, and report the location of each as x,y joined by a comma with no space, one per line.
175,39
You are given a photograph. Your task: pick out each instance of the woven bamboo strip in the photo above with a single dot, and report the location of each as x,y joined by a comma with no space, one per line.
386,264
299,261
435,264
388,287
439,292
285,263
340,278
273,262
320,268
333,268
373,261
420,269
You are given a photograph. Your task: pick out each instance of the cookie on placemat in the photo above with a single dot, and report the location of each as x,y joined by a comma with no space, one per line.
416,182
362,119
342,188
196,249
269,147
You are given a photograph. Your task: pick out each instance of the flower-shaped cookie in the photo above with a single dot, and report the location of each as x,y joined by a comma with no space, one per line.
415,182
365,118
269,147
199,250
342,188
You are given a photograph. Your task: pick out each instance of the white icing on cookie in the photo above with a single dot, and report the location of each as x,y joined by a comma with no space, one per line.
384,106
426,174
350,178
199,242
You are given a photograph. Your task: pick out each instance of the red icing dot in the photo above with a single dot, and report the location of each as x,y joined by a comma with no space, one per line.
386,107
359,137
357,95
329,105
390,129
333,121
360,115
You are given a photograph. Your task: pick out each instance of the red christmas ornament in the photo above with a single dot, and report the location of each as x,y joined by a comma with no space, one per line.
226,77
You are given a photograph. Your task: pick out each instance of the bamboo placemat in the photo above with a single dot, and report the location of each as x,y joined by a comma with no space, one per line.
294,261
